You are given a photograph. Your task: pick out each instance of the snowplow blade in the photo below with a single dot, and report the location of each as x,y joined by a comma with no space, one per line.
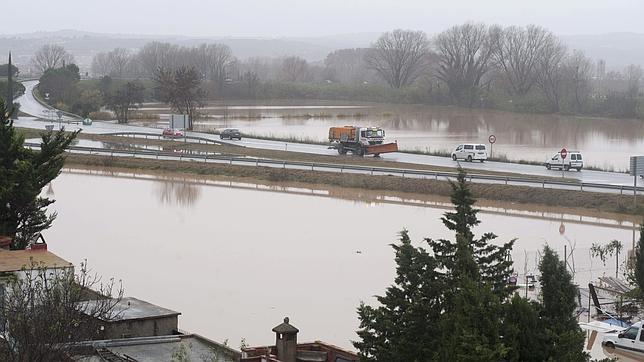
383,148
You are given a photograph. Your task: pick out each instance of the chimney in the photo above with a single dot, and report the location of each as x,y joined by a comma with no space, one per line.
39,244
286,341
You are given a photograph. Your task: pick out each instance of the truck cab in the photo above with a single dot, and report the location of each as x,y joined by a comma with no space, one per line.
630,339
371,136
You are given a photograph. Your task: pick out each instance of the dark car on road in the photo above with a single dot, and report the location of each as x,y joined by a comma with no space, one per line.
230,133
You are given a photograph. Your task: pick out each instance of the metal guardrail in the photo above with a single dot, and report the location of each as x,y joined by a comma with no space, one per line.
367,170
40,101
160,136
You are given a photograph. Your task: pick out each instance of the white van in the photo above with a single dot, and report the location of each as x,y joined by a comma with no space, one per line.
572,160
631,339
470,152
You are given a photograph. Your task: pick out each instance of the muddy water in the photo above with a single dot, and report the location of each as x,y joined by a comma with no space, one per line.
235,257
606,143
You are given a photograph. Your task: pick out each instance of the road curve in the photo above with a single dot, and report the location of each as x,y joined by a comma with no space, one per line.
30,106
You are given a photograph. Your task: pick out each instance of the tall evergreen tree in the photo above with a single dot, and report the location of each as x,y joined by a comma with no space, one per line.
489,263
446,305
403,327
23,174
638,270
523,331
476,274
565,338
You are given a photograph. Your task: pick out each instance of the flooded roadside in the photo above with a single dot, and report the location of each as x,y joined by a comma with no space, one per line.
189,244
606,143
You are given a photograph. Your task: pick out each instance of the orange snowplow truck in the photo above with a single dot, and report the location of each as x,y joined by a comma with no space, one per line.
360,140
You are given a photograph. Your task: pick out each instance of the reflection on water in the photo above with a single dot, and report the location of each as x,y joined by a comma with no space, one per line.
605,142
235,256
177,192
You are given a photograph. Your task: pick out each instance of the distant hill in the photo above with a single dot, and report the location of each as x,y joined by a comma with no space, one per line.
617,49
83,45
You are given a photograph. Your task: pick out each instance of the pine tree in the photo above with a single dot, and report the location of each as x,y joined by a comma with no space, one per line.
565,338
403,327
23,174
488,263
476,274
523,331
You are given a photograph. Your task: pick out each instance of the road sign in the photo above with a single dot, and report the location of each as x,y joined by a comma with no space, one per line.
637,166
564,153
562,228
492,139
179,121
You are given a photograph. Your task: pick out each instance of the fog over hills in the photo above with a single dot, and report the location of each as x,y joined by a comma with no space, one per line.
617,49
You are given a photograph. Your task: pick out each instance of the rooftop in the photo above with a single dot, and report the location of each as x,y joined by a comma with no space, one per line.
16,260
130,308
164,348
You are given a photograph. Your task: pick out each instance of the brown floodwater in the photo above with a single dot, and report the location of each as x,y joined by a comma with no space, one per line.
606,143
235,257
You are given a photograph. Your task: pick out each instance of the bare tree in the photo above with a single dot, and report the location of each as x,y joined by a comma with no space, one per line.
118,60
100,65
51,56
122,100
157,55
551,73
222,60
347,65
517,54
260,66
633,75
578,72
398,56
45,313
181,90
251,80
465,52
294,69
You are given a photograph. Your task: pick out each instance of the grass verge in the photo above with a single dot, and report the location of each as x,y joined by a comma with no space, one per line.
520,194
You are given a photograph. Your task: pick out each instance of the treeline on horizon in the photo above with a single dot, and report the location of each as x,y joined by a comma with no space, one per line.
523,69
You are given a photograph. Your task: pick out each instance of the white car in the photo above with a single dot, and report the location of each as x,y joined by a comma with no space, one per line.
470,152
631,339
572,160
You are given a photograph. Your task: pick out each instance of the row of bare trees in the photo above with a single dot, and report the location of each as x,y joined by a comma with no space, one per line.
473,59
214,62
472,64
211,61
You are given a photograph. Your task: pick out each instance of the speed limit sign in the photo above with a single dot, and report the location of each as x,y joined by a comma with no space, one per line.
492,140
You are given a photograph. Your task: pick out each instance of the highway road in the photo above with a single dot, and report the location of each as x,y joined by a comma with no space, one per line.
30,106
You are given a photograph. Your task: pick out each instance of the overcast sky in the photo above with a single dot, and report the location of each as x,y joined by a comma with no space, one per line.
271,18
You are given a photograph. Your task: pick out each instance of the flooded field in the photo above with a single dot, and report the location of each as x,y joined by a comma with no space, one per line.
235,257
606,143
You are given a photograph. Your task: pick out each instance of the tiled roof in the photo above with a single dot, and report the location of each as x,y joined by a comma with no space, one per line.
15,260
